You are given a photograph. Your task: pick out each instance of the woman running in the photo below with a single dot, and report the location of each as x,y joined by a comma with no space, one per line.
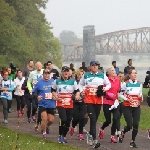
110,105
79,111
131,106
19,93
7,87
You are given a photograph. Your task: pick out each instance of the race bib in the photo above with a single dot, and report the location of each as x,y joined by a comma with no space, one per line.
48,95
66,101
134,104
92,91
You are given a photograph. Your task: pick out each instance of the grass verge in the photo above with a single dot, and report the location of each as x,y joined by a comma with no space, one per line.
11,140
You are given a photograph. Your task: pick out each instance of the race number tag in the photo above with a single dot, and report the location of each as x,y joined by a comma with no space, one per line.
92,91
66,101
134,104
48,95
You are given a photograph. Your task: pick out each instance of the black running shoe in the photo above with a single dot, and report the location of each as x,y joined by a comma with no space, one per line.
121,137
96,144
132,144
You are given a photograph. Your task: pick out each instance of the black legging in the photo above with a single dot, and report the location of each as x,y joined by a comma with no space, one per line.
120,114
30,101
65,115
132,113
4,103
9,103
20,102
79,112
93,111
107,114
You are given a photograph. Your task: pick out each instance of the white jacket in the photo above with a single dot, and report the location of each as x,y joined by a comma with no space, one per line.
18,84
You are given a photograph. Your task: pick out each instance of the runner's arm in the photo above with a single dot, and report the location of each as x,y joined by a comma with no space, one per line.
29,82
81,84
107,83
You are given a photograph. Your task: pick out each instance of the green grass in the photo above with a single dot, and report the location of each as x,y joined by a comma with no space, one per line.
11,140
144,121
145,91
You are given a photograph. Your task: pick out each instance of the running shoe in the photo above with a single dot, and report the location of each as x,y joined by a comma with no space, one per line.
60,139
148,133
132,144
113,140
101,133
29,120
80,137
47,130
96,144
84,130
36,127
44,135
71,131
5,121
64,140
33,118
121,137
22,112
89,139
19,115
9,110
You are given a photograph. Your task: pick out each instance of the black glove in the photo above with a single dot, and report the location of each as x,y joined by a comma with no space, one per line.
100,91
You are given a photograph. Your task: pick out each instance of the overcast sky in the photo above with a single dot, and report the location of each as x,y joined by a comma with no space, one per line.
106,15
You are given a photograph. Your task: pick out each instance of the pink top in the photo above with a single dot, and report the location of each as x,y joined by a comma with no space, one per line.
112,93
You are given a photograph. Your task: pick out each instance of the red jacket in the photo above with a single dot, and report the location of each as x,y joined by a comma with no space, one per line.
112,93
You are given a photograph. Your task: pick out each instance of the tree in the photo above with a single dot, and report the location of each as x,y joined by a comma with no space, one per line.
26,31
68,37
13,39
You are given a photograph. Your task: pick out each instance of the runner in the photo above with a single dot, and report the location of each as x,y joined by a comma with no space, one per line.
79,111
111,105
7,87
29,101
19,93
33,78
54,72
131,106
62,90
46,104
30,67
121,99
93,99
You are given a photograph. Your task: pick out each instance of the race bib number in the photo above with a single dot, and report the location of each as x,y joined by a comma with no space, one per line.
48,95
66,101
134,104
92,91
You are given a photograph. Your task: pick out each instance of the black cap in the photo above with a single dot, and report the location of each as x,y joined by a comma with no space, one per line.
65,68
46,71
94,63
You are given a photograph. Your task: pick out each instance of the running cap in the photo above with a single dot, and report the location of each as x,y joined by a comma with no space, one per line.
94,63
65,68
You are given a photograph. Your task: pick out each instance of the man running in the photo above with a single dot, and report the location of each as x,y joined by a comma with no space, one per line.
62,90
92,81
33,78
46,104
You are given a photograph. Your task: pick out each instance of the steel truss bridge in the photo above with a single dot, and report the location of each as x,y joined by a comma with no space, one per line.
124,42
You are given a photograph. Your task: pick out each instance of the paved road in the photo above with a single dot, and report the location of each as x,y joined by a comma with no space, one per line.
142,141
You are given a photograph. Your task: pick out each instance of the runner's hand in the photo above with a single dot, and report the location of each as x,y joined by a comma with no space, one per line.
77,96
39,98
83,93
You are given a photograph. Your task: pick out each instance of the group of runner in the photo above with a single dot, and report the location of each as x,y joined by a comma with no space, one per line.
77,97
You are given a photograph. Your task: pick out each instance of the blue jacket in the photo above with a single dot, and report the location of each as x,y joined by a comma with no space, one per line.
43,88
